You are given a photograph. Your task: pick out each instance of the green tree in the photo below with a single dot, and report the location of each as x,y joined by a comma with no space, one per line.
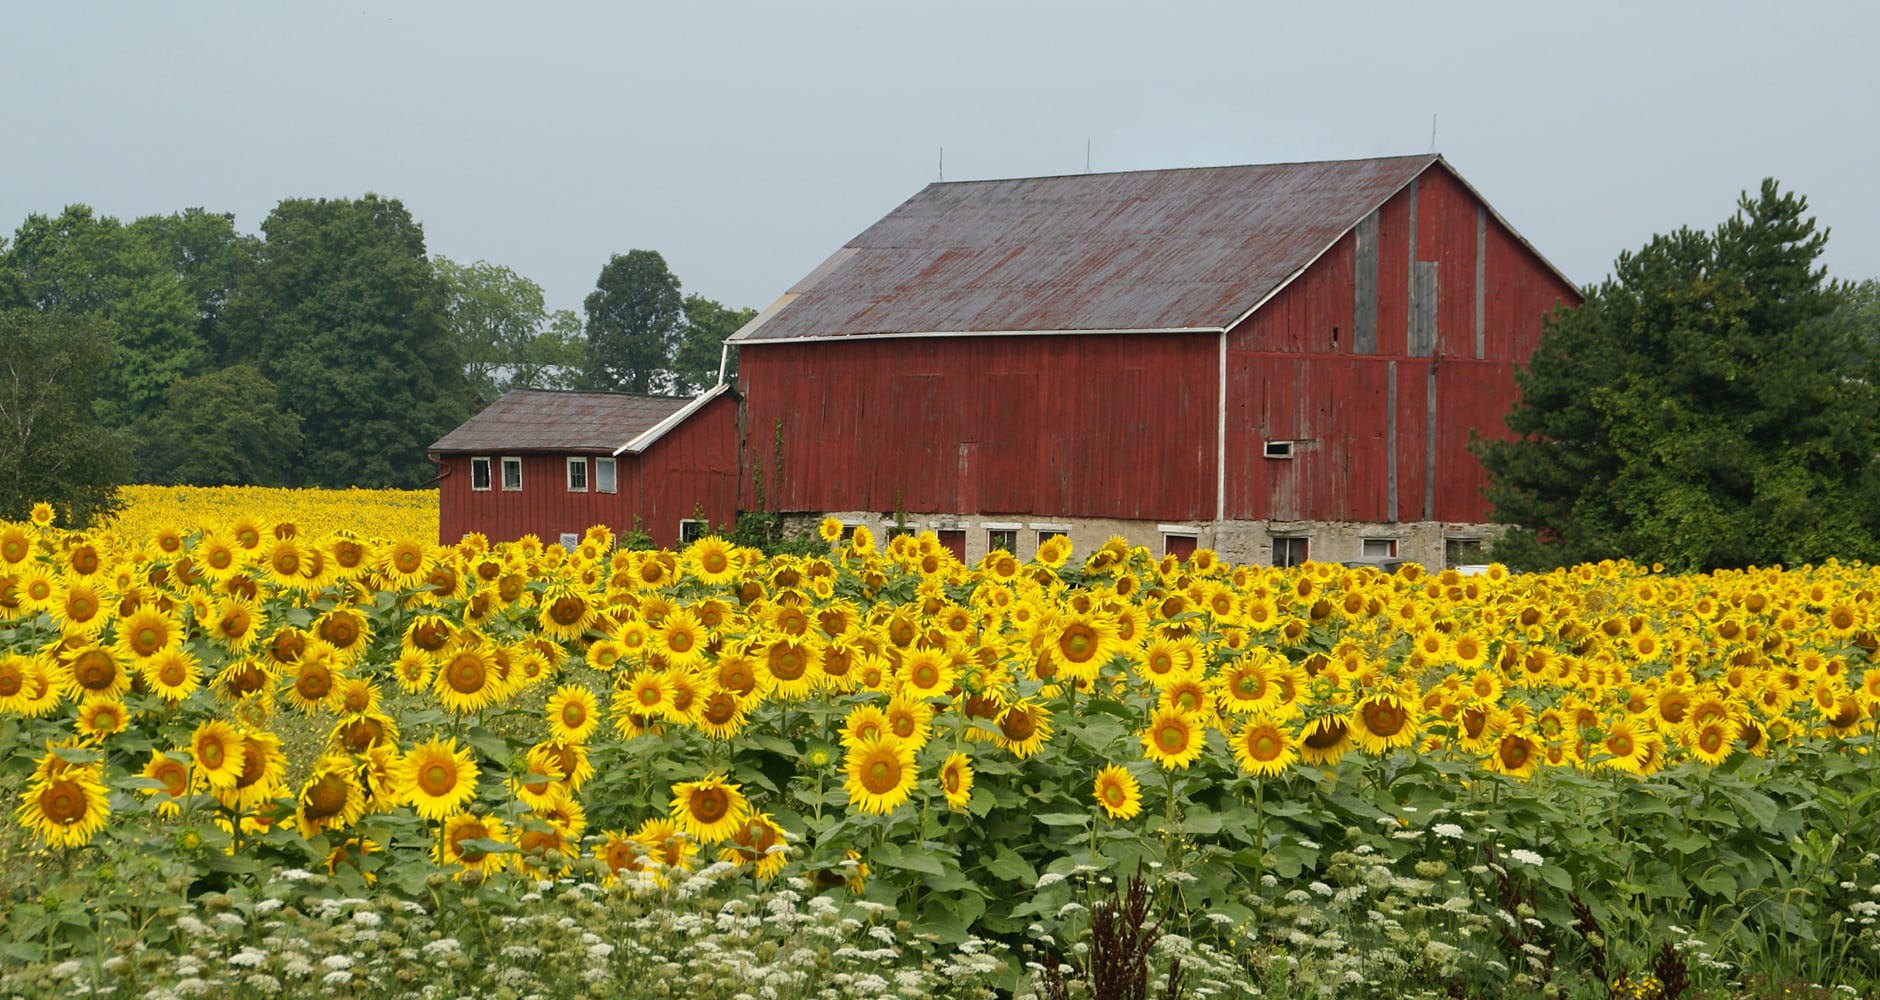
707,325
225,428
205,254
634,318
84,264
505,333
52,447
344,315
1702,409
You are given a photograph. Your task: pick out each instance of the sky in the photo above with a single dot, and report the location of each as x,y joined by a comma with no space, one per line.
747,141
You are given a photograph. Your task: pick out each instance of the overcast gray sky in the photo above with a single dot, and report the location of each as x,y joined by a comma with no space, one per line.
747,141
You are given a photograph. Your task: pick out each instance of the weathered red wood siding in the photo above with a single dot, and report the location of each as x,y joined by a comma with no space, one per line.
1077,426
1293,375
695,463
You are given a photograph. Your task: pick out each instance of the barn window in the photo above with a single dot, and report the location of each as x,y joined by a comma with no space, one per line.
1289,550
570,540
512,473
1380,548
604,481
480,473
1279,449
1180,544
577,474
1462,552
691,530
1002,536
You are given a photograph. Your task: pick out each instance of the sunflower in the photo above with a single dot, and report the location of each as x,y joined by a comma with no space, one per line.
1382,722
235,624
429,634
42,514
413,671
619,852
1117,792
331,798
345,629
1172,739
760,843
1080,644
880,775
956,780
38,589
1517,754
573,713
99,718
405,564
926,673
18,675
285,563
541,778
1023,727
1627,747
793,668
65,810
645,694
314,679
1714,740
721,715
710,809
712,560
363,732
864,722
466,842
437,778
681,639
355,696
467,680
218,559
146,632
1163,661
1264,747
95,672
565,613
263,777
1054,551
16,545
666,846
80,608
172,778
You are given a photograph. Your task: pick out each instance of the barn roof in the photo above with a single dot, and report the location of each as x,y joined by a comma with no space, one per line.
546,420
1144,251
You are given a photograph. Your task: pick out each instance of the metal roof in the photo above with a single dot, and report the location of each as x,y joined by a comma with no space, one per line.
1156,250
545,420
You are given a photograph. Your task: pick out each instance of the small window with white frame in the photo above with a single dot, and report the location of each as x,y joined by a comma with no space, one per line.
1379,548
512,473
1279,449
1290,550
691,530
1463,552
480,473
577,474
605,476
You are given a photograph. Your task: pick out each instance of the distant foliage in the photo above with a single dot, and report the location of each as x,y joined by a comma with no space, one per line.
1712,405
52,447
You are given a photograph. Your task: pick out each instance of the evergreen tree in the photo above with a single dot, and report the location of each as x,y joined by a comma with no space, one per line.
1700,409
634,319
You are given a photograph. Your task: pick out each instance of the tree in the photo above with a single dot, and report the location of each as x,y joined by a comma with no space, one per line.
344,314
224,428
52,447
707,326
634,318
208,258
83,264
504,332
1702,409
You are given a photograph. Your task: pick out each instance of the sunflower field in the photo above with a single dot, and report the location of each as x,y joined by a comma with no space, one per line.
1604,780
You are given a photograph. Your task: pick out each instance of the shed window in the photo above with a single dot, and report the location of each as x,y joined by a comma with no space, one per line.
577,474
480,473
604,481
1279,449
1380,548
691,530
1179,545
512,472
1002,538
1462,552
1289,550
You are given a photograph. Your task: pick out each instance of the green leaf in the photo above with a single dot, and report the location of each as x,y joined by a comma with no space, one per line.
1063,819
893,856
1012,868
489,744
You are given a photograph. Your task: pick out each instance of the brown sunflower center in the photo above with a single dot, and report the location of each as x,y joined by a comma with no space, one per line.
313,682
437,778
64,802
709,805
466,674
325,797
1384,719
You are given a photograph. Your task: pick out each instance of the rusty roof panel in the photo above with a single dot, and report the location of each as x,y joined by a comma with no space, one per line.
1147,250
543,420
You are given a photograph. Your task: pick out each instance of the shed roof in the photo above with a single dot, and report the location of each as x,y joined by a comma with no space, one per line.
550,420
1144,251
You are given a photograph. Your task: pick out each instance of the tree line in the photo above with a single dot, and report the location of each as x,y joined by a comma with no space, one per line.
328,350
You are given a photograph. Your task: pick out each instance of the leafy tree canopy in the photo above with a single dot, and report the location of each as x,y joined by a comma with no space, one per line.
1710,405
344,315
707,325
634,318
504,331
225,428
52,447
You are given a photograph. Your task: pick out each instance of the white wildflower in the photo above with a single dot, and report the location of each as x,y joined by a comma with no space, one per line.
1526,857
1447,830
1049,879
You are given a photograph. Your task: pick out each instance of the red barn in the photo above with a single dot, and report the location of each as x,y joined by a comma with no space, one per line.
553,463
1281,362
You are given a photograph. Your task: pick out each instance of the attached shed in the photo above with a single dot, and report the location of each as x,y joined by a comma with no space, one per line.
1282,361
553,463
